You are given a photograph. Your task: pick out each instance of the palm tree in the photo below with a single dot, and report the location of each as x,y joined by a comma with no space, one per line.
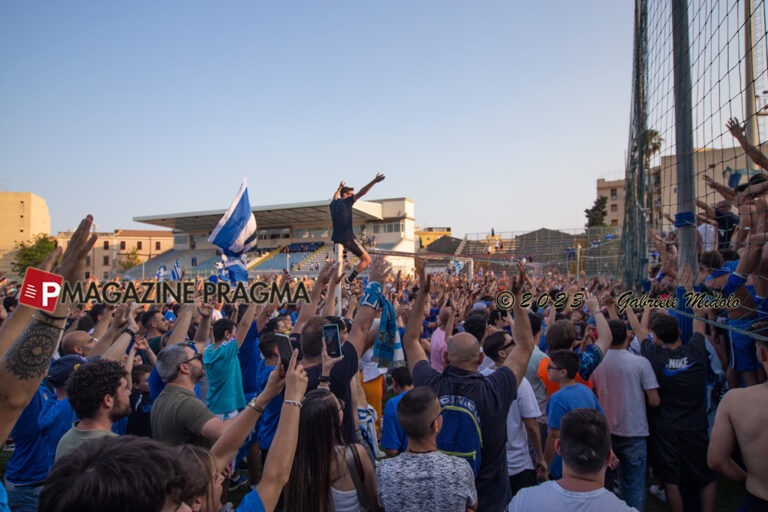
653,142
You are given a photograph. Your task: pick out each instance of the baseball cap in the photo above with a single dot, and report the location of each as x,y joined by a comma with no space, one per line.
63,367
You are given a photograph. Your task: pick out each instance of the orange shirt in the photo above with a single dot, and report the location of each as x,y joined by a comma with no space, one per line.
553,386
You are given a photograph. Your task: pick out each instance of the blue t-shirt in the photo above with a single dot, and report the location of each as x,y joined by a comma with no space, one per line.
567,399
225,380
393,436
250,359
28,464
268,422
251,503
55,419
4,500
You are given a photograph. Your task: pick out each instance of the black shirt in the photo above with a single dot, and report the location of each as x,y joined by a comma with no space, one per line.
341,374
341,216
139,423
493,399
727,222
682,377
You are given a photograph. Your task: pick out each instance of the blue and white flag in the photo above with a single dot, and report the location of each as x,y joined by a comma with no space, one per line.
236,234
223,274
160,272
235,267
176,271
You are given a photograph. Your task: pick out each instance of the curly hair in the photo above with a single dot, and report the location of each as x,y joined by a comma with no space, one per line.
120,474
89,384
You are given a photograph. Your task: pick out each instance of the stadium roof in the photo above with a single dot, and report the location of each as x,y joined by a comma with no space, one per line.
269,216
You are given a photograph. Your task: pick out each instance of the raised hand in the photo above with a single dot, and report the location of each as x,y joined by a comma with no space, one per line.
295,379
325,274
140,342
736,129
379,270
379,178
593,305
72,266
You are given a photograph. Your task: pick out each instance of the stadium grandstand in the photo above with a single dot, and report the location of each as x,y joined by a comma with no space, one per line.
294,237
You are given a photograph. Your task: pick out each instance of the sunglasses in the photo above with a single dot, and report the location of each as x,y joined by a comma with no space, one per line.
199,357
442,410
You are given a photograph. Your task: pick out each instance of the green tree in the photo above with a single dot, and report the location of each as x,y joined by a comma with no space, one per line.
130,260
596,214
31,254
653,142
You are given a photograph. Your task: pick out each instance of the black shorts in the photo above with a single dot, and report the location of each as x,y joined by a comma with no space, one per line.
353,246
680,456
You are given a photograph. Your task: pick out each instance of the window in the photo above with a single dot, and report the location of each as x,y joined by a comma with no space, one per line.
138,245
87,274
157,246
106,260
375,228
122,245
106,275
106,244
87,261
614,222
613,193
614,208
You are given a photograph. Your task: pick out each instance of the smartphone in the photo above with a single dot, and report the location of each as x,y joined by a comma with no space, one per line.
331,338
285,349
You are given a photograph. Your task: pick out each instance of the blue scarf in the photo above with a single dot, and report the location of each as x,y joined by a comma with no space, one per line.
388,350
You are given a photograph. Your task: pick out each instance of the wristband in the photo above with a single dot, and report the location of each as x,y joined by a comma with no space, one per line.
127,330
292,402
52,317
257,408
37,316
324,378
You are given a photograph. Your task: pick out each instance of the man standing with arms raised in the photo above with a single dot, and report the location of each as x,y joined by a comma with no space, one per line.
341,216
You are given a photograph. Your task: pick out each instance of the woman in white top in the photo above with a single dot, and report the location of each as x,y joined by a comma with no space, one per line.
320,480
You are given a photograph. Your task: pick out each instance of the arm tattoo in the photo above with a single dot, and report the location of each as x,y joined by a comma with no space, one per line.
30,355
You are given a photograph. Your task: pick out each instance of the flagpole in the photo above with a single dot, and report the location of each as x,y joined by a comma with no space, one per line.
339,274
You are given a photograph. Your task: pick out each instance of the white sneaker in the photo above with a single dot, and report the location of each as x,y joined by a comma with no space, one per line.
658,492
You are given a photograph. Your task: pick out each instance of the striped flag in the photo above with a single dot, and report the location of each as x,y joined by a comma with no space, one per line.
160,272
176,271
236,234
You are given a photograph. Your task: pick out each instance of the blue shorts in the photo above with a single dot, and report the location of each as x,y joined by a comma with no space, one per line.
742,356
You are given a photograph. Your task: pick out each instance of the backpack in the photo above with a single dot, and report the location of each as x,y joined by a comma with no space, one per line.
461,435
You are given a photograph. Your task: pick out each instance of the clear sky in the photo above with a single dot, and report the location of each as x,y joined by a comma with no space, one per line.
490,113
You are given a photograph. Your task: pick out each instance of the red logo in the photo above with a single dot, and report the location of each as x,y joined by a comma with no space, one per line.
40,289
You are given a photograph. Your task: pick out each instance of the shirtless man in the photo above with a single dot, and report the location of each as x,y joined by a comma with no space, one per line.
341,216
741,418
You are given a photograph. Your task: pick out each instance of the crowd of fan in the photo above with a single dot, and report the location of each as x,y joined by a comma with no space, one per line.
554,406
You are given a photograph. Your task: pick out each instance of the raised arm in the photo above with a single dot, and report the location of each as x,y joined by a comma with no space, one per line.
414,352
101,327
20,317
338,190
181,327
518,357
641,332
737,130
308,310
26,362
113,332
277,467
379,177
226,447
604,336
245,323
365,314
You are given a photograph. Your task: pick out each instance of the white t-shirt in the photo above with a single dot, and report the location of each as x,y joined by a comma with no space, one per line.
524,406
708,238
620,382
550,496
